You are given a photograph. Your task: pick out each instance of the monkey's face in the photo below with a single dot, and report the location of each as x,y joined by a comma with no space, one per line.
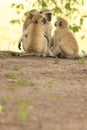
39,19
32,13
58,24
61,23
49,16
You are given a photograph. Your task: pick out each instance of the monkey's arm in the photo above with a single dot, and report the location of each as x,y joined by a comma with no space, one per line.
49,52
46,38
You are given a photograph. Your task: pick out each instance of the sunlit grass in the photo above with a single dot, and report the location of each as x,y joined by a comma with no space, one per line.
82,61
10,75
1,109
25,104
6,98
56,96
18,84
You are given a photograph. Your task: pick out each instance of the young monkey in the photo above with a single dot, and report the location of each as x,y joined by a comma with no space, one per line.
64,42
33,39
29,18
47,27
27,22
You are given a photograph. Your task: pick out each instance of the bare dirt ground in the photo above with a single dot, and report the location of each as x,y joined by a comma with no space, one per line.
43,94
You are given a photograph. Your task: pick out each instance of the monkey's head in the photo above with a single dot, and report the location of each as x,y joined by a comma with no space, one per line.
47,13
61,23
32,13
39,19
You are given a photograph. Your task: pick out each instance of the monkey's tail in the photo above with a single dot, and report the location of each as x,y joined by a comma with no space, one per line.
81,56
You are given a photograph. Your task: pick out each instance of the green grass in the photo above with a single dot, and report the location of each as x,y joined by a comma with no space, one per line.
25,101
24,105
82,61
21,82
49,82
14,86
56,96
57,60
1,66
16,68
1,55
32,84
10,75
1,109
6,98
24,114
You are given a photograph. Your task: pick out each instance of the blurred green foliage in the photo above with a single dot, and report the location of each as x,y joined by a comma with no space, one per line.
65,8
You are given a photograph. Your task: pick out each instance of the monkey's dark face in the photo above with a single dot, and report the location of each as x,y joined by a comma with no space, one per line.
49,16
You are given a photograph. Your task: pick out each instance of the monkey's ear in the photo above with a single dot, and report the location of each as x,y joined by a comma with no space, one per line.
60,23
30,16
40,12
36,21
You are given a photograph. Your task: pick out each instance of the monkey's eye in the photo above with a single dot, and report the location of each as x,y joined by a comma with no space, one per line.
60,23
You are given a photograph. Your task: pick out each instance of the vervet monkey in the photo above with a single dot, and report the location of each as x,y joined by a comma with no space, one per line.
27,22
34,39
47,26
64,42
29,18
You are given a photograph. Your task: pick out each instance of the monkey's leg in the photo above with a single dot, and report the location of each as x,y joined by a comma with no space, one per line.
67,52
46,50
50,53
55,49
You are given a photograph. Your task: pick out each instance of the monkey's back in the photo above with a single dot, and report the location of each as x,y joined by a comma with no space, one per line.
35,37
68,40
27,22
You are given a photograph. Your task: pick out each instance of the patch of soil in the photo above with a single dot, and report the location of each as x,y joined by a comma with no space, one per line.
38,93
